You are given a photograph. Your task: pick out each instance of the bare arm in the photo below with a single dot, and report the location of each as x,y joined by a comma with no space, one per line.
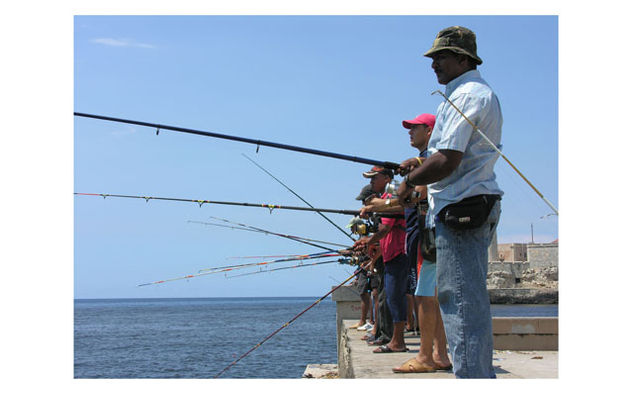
438,166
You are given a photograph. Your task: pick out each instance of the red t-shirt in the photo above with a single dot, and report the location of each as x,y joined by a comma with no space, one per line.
393,243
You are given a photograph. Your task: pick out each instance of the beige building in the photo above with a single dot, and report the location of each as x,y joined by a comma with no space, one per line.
512,252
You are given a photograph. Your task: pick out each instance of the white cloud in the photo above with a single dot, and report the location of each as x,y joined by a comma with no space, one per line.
121,43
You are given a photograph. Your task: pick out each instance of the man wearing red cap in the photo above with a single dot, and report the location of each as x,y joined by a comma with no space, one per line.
463,198
432,334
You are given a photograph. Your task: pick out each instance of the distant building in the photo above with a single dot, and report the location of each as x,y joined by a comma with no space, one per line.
537,254
543,254
512,252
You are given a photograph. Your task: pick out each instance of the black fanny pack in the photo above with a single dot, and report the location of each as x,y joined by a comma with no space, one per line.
427,235
469,213
427,244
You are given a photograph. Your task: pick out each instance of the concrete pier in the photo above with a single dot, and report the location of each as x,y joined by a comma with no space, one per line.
356,360
524,347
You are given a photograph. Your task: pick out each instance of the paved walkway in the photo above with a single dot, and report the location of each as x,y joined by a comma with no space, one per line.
508,364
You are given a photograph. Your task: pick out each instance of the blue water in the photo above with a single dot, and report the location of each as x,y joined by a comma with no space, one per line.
197,338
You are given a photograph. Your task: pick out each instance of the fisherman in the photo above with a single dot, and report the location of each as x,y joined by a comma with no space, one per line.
365,282
391,234
463,198
382,330
432,354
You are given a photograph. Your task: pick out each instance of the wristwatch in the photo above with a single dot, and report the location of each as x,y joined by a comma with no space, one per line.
407,182
388,202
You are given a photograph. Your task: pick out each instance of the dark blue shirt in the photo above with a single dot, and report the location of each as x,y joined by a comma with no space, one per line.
411,218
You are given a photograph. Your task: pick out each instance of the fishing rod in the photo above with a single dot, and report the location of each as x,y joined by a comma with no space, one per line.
285,268
296,239
292,237
298,196
498,151
286,324
299,257
384,164
268,232
268,256
227,268
270,207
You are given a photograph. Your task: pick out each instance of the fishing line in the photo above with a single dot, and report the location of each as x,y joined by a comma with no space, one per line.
522,195
285,325
298,196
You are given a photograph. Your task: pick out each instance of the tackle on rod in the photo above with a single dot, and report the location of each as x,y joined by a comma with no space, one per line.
270,207
384,164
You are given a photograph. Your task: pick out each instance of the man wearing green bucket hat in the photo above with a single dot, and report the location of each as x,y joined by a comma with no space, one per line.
463,198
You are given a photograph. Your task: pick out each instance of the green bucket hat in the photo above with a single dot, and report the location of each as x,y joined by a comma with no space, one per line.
457,39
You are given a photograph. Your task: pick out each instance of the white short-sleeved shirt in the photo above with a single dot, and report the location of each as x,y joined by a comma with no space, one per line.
475,174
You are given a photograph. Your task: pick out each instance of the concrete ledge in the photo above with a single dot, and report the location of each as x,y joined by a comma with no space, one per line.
356,360
523,296
349,300
525,334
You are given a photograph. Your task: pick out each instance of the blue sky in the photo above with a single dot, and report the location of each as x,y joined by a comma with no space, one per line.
335,83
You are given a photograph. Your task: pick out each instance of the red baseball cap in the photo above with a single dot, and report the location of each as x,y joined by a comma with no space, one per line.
427,119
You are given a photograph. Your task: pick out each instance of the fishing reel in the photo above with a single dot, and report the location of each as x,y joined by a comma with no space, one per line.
363,227
392,188
353,260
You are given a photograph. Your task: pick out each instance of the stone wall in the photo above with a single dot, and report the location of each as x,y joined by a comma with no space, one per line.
542,255
521,275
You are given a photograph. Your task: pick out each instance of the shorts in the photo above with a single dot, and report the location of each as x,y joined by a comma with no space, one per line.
363,282
374,281
427,280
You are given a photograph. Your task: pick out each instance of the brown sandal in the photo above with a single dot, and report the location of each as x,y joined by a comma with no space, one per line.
413,366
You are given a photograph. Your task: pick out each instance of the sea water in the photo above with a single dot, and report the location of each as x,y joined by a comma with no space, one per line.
197,338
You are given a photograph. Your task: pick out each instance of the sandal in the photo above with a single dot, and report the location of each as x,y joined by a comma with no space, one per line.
368,337
413,366
379,341
386,349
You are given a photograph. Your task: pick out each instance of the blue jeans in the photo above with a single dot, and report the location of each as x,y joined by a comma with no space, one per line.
396,279
462,268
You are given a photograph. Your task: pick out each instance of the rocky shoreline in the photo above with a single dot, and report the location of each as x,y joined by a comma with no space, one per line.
524,286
